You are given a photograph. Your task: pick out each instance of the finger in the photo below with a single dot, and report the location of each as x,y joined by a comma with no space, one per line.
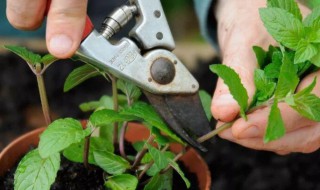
255,126
236,38
27,14
304,140
65,25
257,121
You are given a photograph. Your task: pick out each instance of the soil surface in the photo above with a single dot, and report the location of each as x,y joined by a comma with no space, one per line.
232,166
74,176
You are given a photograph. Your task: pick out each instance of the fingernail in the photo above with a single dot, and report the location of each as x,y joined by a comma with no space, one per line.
60,44
250,132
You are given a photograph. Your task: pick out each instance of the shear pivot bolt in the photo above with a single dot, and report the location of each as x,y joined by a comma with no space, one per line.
162,71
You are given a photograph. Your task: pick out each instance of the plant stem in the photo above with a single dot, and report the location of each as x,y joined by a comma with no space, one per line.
115,107
43,95
142,152
150,163
121,140
215,132
86,151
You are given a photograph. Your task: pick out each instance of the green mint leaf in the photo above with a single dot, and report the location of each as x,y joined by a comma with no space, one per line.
59,135
27,55
289,5
138,146
316,59
283,26
264,86
233,81
160,139
48,59
176,167
151,117
315,14
272,70
129,89
288,78
75,151
33,172
305,51
105,102
206,103
275,126
303,67
103,117
111,163
106,131
159,158
79,75
305,103
260,55
160,181
122,182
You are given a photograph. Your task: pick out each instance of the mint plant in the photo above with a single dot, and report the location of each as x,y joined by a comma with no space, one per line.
281,68
153,163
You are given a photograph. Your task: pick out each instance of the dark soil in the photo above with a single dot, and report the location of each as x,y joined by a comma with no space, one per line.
74,176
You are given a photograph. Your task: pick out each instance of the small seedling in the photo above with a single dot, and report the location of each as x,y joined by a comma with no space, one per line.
68,137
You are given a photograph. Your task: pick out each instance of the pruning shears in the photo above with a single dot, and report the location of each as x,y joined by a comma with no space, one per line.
145,59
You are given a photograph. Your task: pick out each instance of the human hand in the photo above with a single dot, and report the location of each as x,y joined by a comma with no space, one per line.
65,22
240,28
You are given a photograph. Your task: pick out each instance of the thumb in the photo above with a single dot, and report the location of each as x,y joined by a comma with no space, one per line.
65,25
224,107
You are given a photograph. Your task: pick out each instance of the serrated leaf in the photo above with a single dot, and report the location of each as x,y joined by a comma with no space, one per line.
283,26
307,104
275,126
236,88
122,182
316,59
305,51
34,173
206,103
160,181
150,116
27,55
308,21
264,86
79,75
176,167
288,78
289,5
48,59
111,163
260,55
61,134
105,102
75,151
159,158
106,116
129,89
272,70
160,139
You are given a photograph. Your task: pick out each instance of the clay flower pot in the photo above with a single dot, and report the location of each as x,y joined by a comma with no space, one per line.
19,147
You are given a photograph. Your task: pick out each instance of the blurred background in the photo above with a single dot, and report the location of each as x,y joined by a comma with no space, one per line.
232,167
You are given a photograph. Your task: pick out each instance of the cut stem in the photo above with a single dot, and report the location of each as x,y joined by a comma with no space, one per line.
215,132
43,95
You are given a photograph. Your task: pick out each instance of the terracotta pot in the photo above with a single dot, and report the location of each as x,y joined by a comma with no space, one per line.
191,159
